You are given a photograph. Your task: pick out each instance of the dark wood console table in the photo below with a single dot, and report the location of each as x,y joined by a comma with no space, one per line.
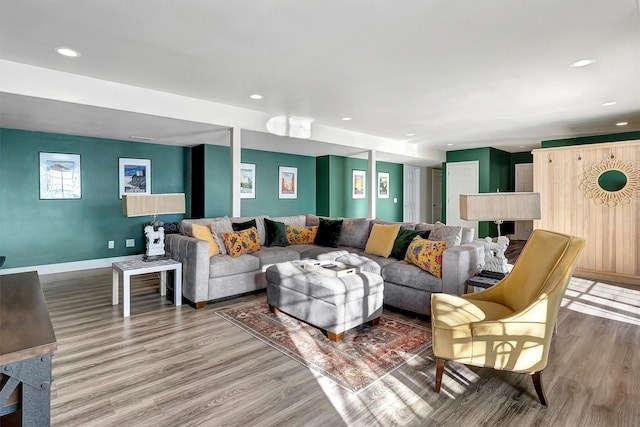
27,343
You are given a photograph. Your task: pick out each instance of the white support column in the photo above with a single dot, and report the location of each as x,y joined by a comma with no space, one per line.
236,143
373,184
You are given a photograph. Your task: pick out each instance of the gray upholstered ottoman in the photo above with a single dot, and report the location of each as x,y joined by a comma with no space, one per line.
334,304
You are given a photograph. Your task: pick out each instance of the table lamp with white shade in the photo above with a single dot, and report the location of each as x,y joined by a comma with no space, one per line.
499,207
153,205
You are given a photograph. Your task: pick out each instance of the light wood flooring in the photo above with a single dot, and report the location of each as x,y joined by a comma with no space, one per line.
175,366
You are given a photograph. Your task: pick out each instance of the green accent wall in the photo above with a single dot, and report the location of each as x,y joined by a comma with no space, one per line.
323,182
217,181
334,193
267,201
55,231
385,208
596,139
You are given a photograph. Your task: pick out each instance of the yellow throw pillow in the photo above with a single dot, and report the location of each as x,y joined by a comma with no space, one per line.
241,242
381,239
300,235
203,232
426,254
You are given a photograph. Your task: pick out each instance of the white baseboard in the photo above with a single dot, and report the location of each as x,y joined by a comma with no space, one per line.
70,266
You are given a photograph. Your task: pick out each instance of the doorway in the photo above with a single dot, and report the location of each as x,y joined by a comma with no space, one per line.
411,211
462,178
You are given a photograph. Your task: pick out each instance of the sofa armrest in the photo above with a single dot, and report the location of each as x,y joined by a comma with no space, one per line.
459,263
194,256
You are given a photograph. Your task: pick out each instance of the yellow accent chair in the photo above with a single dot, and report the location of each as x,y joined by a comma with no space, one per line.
510,325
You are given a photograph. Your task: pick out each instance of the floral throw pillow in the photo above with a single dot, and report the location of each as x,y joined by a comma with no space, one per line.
241,242
426,254
301,235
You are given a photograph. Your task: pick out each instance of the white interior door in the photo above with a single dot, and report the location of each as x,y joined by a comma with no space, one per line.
436,195
462,178
524,182
411,211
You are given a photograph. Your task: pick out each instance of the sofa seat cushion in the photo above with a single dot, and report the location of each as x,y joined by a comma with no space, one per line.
403,273
314,251
301,248
296,220
380,260
274,255
225,265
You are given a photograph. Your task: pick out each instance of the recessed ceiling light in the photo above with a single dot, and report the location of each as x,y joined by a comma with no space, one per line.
256,96
66,51
583,63
449,145
622,123
609,104
521,146
142,138
411,134
346,119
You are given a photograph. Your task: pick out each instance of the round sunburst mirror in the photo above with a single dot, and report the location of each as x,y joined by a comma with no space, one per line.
611,181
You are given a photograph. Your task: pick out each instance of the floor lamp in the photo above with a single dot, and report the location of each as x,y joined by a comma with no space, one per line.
153,205
499,207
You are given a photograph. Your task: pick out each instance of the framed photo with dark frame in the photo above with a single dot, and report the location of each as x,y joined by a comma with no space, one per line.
359,184
60,176
134,176
247,181
287,182
383,185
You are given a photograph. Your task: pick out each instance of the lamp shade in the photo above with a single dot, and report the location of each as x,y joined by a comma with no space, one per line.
500,206
152,204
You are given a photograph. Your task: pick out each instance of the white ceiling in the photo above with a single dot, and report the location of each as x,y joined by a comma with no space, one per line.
468,73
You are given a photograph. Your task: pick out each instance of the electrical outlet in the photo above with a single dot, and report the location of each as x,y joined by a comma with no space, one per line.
395,200
130,243
111,244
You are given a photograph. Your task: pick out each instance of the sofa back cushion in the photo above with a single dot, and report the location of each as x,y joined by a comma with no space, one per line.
241,242
203,232
276,233
468,233
328,232
407,225
355,232
259,224
381,239
297,220
239,226
403,239
426,254
452,234
301,235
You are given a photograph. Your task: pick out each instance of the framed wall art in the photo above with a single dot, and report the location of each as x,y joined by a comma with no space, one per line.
247,181
383,185
60,176
287,182
359,184
134,176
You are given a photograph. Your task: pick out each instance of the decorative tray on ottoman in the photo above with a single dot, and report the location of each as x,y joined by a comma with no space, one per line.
331,268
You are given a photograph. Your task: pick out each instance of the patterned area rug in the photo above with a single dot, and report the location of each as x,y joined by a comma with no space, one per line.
365,355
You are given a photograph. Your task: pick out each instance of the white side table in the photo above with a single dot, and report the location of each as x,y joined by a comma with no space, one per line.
122,271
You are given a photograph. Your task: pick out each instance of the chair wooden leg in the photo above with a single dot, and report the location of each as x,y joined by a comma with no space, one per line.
537,383
439,372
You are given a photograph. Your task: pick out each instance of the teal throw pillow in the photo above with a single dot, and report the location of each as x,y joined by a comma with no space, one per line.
329,232
276,233
239,226
403,239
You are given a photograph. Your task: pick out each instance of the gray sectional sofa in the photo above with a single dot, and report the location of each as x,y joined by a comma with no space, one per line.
406,286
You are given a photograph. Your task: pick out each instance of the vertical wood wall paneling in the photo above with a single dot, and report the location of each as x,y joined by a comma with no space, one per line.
612,232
